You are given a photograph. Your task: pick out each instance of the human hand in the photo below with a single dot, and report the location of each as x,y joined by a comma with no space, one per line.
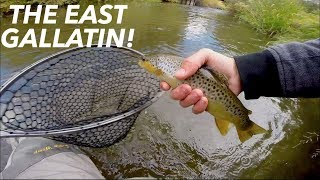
188,96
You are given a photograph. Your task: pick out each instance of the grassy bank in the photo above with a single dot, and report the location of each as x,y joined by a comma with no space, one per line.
213,4
285,20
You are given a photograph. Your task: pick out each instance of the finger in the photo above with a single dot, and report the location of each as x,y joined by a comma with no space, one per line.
164,86
200,106
192,98
180,92
191,64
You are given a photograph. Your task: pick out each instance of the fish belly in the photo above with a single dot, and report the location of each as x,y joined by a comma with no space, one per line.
218,110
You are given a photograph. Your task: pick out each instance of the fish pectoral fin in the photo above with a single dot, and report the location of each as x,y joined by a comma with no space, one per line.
247,134
223,126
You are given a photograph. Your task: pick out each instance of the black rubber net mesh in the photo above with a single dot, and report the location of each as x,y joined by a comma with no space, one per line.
76,88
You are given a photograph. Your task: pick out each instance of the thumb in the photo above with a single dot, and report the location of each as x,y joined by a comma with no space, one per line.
187,69
191,65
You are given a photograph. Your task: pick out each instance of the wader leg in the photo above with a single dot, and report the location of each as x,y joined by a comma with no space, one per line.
42,158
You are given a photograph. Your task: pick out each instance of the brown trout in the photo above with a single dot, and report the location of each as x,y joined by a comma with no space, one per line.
223,104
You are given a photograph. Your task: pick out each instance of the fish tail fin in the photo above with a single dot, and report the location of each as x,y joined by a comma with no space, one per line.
248,133
223,126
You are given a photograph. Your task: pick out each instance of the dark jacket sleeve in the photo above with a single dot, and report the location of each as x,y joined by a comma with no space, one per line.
286,70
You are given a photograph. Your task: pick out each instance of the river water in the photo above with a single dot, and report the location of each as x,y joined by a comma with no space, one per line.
169,141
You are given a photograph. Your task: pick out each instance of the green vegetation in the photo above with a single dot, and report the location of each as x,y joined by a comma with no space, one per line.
271,17
5,4
285,20
213,4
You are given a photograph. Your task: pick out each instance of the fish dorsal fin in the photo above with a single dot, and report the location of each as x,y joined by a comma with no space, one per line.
222,78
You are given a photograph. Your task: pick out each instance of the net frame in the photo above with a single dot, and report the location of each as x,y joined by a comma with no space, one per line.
114,118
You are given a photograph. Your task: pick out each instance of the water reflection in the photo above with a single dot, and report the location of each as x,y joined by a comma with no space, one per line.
184,145
237,38
197,31
296,155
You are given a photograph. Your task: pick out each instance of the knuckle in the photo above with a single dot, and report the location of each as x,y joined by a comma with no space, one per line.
183,104
205,100
174,94
197,93
200,106
185,88
188,101
188,62
163,86
175,97
180,92
196,111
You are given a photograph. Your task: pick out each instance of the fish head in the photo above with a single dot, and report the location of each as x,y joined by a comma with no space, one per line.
159,64
150,64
